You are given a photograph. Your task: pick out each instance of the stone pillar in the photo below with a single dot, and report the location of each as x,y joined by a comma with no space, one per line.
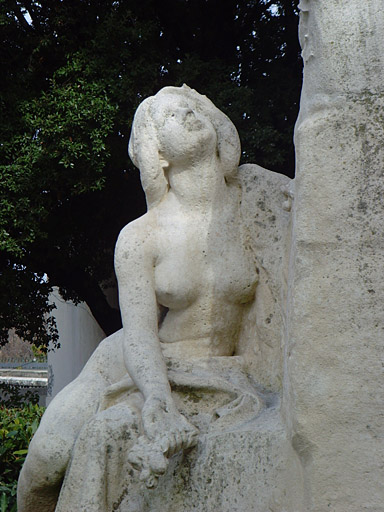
334,385
79,335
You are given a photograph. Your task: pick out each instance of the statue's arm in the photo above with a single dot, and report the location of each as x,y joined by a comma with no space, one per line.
134,266
135,259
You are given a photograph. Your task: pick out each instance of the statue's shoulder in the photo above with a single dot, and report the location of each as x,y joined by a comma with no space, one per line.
136,236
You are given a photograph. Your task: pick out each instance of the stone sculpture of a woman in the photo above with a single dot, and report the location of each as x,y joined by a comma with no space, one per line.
185,274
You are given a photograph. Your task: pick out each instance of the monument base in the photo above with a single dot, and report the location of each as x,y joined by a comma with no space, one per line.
242,470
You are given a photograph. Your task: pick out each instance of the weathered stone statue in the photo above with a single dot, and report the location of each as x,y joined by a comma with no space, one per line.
191,362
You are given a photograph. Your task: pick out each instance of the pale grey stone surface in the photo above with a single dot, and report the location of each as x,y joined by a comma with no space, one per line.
235,471
166,394
266,215
334,384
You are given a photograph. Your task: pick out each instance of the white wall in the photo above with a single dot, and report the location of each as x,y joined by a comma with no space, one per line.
79,335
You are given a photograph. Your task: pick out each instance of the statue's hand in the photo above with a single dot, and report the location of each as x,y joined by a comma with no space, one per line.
166,433
149,460
164,425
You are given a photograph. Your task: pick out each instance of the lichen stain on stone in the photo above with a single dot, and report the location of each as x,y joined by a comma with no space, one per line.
303,447
261,205
362,206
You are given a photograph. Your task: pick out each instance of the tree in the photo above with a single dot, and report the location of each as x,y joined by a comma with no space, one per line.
73,75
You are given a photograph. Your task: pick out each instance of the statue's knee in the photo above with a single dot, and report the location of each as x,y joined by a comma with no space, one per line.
46,461
112,421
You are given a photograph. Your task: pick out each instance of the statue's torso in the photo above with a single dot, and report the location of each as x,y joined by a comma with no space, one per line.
204,274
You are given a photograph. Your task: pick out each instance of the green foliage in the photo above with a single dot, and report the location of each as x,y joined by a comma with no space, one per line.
39,353
72,77
62,153
17,426
24,303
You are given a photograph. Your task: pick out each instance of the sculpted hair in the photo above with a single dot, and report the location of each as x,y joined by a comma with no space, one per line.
143,144
143,150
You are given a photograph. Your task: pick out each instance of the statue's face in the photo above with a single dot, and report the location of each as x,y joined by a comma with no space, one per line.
183,131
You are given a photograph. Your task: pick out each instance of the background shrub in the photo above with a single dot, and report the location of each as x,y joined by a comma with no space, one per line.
17,426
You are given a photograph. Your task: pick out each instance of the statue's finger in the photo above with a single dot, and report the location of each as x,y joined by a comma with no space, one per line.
178,441
164,445
192,438
144,475
151,482
135,459
159,464
172,442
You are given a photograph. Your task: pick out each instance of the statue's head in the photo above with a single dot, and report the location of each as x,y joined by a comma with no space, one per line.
204,129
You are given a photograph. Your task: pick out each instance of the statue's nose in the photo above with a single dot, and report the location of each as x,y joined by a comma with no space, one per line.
185,112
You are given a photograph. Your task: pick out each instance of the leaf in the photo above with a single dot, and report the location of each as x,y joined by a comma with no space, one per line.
20,452
34,426
3,502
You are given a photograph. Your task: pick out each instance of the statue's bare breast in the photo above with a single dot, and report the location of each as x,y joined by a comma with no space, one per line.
203,284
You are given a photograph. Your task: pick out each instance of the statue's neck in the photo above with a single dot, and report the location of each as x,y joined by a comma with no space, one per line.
199,187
